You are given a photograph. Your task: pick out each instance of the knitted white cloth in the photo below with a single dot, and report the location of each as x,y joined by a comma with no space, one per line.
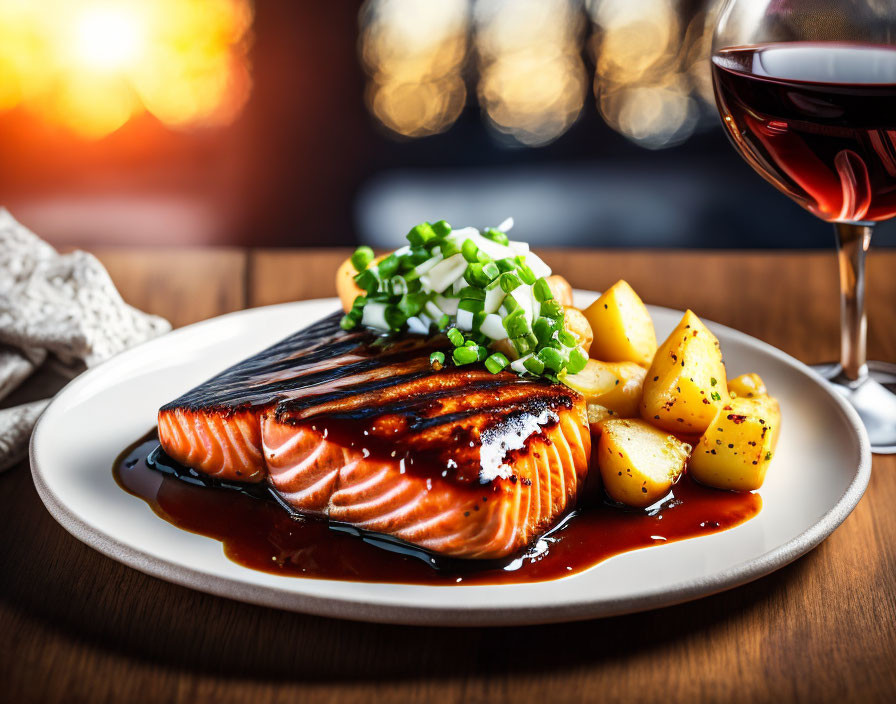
62,304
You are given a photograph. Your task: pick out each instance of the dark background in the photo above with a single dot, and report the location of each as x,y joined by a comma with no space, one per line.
305,164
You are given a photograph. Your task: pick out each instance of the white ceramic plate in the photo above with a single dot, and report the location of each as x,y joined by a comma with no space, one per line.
820,472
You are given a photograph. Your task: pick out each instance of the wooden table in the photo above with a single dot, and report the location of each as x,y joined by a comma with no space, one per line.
77,626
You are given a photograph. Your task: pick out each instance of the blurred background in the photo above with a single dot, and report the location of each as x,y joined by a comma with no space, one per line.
281,123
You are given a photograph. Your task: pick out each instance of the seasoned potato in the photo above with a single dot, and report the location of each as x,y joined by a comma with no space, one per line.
346,288
561,289
597,414
615,386
739,444
686,383
623,330
747,386
577,324
638,463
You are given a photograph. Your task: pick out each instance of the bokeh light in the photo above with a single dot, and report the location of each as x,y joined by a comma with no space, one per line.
532,78
90,65
414,52
649,67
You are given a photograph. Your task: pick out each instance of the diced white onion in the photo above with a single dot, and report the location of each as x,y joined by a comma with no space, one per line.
538,267
462,234
424,267
447,305
374,316
465,320
493,298
525,297
518,365
417,326
445,273
506,225
519,247
492,249
433,310
493,327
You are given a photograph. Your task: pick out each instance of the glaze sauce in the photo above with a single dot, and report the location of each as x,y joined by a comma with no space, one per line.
258,533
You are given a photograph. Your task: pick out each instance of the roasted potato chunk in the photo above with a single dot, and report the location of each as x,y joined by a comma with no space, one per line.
747,386
561,289
737,448
615,386
686,383
623,330
638,463
578,325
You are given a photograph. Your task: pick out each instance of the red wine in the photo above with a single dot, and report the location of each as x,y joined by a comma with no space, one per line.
817,120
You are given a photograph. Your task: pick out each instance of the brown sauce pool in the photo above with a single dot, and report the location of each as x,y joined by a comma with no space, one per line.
260,534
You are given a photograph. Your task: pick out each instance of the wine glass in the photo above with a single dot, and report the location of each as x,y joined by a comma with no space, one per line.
807,93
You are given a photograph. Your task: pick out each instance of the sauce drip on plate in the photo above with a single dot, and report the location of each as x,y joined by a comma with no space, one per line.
259,534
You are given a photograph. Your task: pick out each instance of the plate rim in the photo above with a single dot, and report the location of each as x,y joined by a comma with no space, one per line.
364,609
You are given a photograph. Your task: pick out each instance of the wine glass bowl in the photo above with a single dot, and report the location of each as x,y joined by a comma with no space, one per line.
807,93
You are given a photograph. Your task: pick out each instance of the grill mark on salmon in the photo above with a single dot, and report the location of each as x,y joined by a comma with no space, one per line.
361,430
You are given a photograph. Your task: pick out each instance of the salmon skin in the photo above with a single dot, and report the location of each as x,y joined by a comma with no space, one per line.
361,430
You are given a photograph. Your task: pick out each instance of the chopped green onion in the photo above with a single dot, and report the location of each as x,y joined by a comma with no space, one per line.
534,365
347,322
577,361
418,255
368,281
471,343
482,257
481,353
471,305
464,355
443,321
551,309
542,290
527,275
552,358
395,318
471,293
478,319
361,258
525,344
544,329
510,304
441,228
456,337
480,275
567,338
449,248
437,359
398,285
496,236
470,250
506,264
388,266
421,234
516,324
496,362
509,281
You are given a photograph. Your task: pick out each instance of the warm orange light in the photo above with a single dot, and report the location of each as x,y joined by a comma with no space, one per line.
414,51
108,38
90,65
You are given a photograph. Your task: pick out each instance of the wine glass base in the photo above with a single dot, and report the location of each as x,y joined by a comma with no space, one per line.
874,398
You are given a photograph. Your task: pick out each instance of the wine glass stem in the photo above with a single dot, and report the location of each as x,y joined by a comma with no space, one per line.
853,240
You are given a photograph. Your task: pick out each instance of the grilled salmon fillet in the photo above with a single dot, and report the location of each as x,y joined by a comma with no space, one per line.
361,430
